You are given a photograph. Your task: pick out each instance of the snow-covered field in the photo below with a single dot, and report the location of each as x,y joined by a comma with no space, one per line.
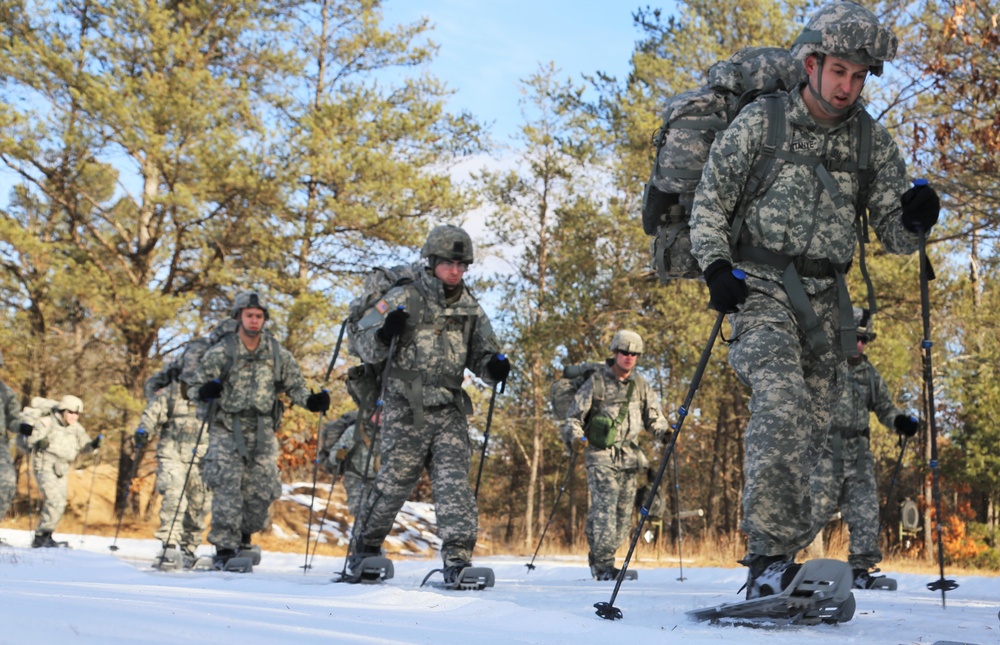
88,594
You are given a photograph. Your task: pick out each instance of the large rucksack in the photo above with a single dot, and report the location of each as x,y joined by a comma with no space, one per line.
32,414
564,389
363,381
691,121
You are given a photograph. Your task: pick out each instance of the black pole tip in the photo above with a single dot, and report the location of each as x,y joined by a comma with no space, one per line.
607,611
530,566
113,547
946,585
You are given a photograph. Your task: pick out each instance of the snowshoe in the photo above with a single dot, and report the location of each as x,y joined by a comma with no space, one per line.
865,580
462,577
250,551
820,592
43,540
367,568
613,573
170,559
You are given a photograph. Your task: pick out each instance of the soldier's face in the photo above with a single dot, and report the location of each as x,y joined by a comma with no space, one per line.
838,81
625,360
252,320
450,272
70,417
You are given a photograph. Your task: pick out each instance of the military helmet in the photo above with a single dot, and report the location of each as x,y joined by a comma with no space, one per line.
849,31
448,242
863,321
70,403
248,300
626,340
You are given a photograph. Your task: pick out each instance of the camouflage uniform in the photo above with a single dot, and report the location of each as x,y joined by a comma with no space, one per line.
179,428
10,420
424,419
845,477
791,382
241,465
347,454
52,464
612,472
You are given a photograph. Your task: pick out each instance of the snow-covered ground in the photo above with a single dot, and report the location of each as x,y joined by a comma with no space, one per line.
88,594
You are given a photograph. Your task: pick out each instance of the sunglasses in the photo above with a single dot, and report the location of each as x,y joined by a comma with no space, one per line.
624,353
863,339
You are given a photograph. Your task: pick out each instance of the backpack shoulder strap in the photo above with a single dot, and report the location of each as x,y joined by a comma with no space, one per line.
276,360
230,341
765,168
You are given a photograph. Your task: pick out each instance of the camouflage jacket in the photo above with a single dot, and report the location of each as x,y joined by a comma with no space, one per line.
65,441
796,216
170,416
863,390
643,413
10,409
333,437
250,387
441,340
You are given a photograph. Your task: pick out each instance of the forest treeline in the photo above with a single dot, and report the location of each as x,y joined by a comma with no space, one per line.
159,157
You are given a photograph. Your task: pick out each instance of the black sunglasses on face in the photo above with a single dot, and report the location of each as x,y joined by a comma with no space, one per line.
624,353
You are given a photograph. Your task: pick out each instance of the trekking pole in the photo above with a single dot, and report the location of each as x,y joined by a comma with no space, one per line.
892,483
555,504
322,519
926,275
128,494
379,409
90,494
187,477
607,610
486,433
336,351
680,534
312,497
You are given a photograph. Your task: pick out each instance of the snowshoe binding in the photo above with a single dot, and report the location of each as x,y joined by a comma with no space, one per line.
863,579
784,593
367,567
232,561
43,540
462,576
171,558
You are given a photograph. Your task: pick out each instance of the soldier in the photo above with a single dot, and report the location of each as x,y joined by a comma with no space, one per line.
607,414
180,453
56,442
344,452
791,317
441,332
10,420
243,376
845,477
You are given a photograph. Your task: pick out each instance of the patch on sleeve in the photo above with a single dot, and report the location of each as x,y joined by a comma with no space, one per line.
382,306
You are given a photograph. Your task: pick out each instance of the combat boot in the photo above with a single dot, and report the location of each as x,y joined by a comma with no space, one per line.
43,539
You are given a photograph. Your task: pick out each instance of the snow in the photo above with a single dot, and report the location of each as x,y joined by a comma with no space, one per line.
89,594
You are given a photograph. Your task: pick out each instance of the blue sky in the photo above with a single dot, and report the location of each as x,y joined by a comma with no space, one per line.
487,47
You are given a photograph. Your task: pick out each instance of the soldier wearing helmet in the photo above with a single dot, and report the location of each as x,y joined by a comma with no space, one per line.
845,477
241,377
10,421
438,330
605,420
56,441
793,236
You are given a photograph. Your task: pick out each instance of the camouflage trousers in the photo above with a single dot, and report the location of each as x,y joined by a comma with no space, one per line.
442,447
609,516
357,487
50,474
792,390
183,510
242,491
8,480
847,481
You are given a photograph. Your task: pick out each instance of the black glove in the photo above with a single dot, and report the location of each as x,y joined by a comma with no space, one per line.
498,367
394,325
42,444
921,206
726,290
141,437
210,390
26,429
318,401
96,443
906,426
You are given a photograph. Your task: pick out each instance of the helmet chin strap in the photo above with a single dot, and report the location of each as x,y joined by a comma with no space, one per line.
817,92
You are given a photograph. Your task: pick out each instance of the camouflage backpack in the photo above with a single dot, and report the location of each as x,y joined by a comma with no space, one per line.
692,120
564,389
39,408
